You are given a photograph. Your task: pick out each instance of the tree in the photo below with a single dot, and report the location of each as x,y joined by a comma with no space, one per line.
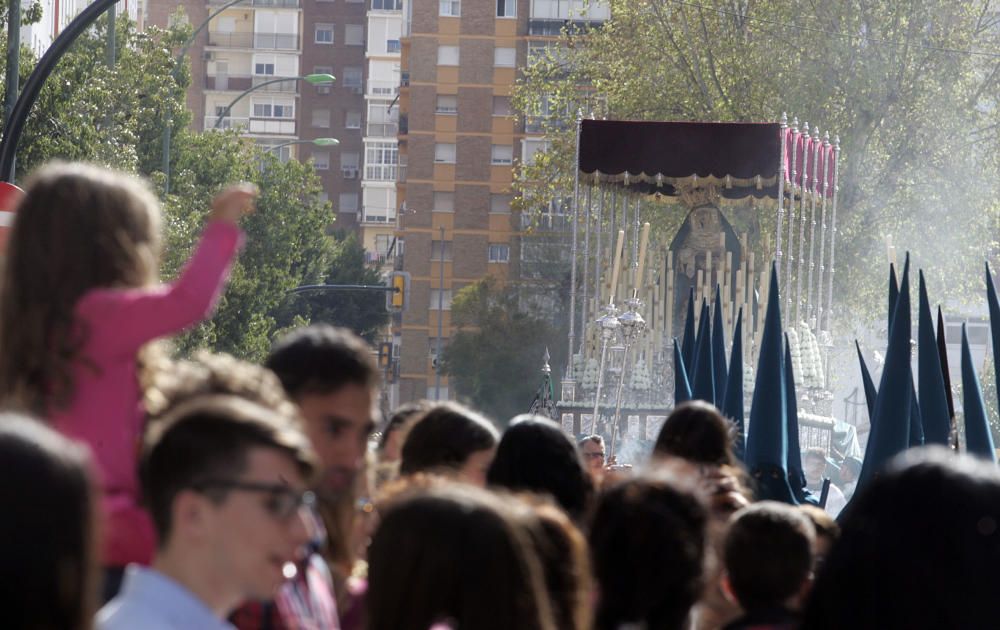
364,312
914,108
494,359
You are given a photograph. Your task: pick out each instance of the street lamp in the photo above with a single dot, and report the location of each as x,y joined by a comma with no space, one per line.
319,142
167,127
314,79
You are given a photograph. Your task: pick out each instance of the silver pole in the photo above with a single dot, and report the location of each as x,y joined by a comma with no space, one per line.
598,253
572,272
584,304
810,314
833,233
635,236
437,367
802,226
781,190
790,259
822,232
618,402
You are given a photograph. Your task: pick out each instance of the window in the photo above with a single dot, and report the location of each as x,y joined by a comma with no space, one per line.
444,202
432,392
263,68
440,299
392,45
354,34
447,55
381,161
444,153
321,118
437,247
349,165
501,106
323,89
500,204
504,57
273,108
352,120
387,5
348,202
499,253
321,160
324,33
506,8
503,154
352,77
447,104
450,8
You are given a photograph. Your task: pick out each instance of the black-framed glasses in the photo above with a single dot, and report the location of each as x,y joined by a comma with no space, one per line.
280,501
599,455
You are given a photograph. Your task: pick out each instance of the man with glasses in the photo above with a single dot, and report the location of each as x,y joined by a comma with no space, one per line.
592,450
227,484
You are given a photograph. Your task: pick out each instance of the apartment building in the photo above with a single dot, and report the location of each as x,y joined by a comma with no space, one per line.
57,14
459,139
238,61
381,153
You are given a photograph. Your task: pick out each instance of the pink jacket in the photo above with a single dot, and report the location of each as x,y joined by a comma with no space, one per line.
105,411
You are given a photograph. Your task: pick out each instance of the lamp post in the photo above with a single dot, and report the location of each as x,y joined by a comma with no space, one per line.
319,142
168,123
314,79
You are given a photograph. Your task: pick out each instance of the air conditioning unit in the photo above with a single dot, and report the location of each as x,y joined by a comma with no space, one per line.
208,55
349,173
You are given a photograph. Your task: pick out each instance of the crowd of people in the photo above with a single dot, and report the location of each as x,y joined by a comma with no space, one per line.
147,493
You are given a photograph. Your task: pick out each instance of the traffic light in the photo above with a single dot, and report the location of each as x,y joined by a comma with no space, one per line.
398,297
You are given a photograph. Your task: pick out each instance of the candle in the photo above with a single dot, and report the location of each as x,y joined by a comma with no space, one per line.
616,269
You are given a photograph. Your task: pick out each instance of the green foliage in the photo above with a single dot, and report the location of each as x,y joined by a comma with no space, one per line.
917,121
495,357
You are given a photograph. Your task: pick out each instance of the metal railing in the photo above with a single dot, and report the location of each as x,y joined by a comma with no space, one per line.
383,130
281,4
382,172
229,122
387,89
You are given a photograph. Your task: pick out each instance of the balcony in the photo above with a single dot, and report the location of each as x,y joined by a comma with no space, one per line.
256,41
276,126
382,172
387,89
228,83
229,122
378,216
280,4
382,130
554,28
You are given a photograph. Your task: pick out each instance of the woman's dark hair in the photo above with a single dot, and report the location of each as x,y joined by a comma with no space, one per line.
919,548
457,554
444,437
48,529
697,431
400,418
647,545
535,455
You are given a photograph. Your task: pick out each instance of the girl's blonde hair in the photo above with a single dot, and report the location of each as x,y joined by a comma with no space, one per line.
78,228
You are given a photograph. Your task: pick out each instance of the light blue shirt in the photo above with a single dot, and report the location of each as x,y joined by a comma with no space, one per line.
150,600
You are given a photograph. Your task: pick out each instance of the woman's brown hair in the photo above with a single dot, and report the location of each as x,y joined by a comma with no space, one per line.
79,227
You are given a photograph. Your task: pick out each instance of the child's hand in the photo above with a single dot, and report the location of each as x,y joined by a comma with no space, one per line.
234,202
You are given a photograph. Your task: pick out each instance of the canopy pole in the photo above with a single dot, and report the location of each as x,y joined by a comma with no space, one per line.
833,233
806,182
584,303
822,232
790,259
809,310
598,251
568,376
781,189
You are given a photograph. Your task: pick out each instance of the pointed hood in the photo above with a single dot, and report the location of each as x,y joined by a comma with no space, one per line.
767,436
869,384
978,438
942,346
682,386
703,386
916,421
793,459
687,343
732,404
893,292
991,297
890,432
719,349
936,420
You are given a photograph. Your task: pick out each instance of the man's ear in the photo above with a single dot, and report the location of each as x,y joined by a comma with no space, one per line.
727,588
191,516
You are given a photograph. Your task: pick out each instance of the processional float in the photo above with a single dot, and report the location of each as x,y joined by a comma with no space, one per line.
630,290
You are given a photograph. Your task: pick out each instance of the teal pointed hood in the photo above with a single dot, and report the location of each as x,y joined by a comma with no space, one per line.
703,386
682,387
687,343
978,437
934,415
869,384
719,349
732,404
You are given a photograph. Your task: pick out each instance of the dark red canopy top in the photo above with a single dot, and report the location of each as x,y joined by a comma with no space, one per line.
742,159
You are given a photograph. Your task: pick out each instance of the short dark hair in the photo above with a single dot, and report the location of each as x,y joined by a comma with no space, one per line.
535,455
209,437
647,542
595,438
400,417
320,359
814,452
768,554
444,437
698,432
48,533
